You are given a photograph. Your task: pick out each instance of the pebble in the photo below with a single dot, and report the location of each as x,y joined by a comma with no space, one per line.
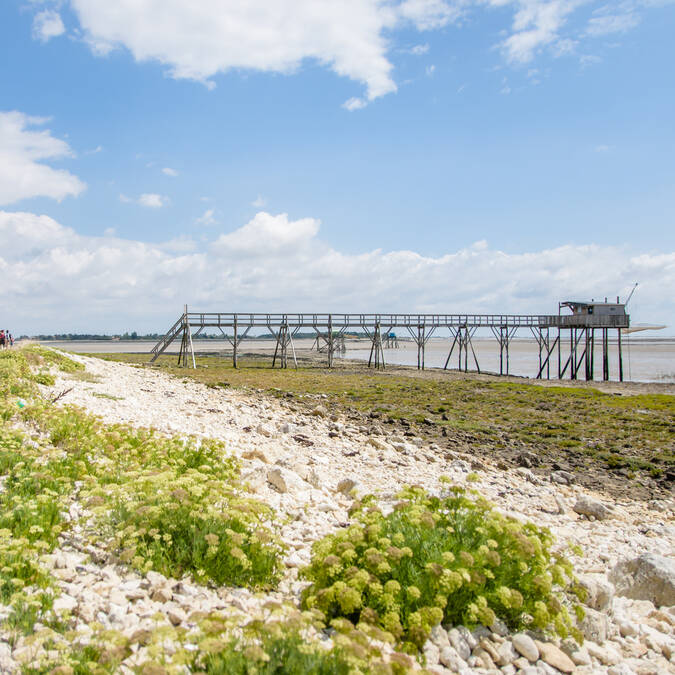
526,646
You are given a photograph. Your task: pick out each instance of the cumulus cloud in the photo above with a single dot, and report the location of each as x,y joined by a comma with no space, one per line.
58,280
353,38
152,200
168,171
200,40
536,24
207,218
23,151
46,25
268,235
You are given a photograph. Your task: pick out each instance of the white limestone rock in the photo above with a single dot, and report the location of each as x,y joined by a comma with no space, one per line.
647,577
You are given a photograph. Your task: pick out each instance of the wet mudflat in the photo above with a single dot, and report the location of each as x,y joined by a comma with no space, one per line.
611,437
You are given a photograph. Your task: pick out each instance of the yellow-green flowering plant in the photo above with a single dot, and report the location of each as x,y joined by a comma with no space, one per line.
451,559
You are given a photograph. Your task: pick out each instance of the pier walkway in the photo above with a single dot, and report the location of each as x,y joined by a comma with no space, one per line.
564,340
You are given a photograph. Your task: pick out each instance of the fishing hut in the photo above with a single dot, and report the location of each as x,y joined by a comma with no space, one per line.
391,341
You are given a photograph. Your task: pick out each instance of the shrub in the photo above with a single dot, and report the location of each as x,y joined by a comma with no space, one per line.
38,355
289,645
450,559
168,504
190,522
275,652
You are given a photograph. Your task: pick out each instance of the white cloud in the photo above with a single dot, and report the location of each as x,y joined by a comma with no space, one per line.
152,200
259,202
147,199
267,234
23,149
587,60
57,280
167,171
206,219
430,70
536,24
429,14
354,103
417,50
353,38
46,25
198,40
606,24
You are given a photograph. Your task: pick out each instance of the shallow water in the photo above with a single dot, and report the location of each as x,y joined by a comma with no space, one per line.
644,359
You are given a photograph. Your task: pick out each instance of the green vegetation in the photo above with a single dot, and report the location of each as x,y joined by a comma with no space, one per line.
172,505
451,560
268,648
41,356
177,506
589,429
169,504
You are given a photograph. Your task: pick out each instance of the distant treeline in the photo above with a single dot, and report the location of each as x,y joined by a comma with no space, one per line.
156,336
93,336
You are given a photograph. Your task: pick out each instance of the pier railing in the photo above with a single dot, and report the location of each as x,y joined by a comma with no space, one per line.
307,320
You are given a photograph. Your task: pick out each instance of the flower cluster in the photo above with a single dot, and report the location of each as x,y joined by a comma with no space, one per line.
168,504
452,559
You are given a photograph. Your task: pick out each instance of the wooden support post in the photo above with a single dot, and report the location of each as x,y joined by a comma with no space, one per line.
466,349
421,342
292,344
284,346
372,346
276,347
452,347
235,343
192,349
548,357
559,354
605,354
330,341
475,358
182,347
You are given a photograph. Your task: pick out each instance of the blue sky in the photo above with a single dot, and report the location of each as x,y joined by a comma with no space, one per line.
412,155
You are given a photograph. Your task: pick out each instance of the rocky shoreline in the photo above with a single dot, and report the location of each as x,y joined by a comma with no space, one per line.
308,464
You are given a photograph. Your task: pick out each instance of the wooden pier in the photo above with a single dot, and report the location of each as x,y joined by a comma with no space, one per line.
565,341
